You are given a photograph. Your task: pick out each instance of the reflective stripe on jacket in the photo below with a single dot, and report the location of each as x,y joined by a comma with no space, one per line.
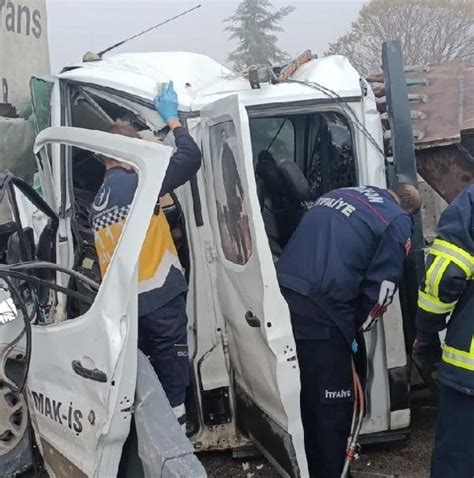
160,274
448,288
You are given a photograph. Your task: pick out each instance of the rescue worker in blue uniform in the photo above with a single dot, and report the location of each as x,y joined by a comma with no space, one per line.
162,322
339,272
448,290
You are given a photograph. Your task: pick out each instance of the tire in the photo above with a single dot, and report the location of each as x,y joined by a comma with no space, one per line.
16,452
19,460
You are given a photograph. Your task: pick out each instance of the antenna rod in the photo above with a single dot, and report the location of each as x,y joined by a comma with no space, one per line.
113,47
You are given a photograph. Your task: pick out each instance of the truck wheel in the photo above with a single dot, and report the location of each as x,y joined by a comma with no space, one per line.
15,444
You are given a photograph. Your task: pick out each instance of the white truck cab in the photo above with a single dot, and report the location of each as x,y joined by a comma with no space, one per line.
320,130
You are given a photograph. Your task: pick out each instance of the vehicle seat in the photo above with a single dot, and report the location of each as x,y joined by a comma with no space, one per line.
296,185
297,190
44,249
267,170
271,197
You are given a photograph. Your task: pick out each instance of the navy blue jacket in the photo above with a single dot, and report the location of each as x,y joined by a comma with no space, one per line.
345,247
448,291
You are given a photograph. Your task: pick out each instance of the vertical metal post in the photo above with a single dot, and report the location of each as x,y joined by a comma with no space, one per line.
398,108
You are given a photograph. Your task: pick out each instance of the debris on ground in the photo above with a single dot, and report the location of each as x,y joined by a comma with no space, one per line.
408,459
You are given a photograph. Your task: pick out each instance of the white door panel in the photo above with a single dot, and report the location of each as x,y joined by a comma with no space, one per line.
82,375
261,343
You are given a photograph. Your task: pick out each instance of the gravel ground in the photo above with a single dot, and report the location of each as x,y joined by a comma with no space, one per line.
408,459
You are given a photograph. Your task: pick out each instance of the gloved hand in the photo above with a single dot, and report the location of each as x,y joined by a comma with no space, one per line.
386,295
427,357
167,102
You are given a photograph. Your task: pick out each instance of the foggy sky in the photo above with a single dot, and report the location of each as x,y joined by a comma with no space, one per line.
79,26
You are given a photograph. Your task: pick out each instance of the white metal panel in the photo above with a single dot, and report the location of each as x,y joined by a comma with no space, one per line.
139,74
372,158
394,337
377,418
263,359
205,319
88,421
199,80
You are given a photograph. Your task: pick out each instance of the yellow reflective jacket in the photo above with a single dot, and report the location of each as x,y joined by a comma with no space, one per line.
447,291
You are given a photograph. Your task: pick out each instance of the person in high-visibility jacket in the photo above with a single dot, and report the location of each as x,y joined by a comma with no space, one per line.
448,290
162,320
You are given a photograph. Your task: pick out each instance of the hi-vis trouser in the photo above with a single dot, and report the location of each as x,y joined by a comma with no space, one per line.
447,287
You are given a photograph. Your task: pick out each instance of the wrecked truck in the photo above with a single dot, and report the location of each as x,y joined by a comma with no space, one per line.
316,124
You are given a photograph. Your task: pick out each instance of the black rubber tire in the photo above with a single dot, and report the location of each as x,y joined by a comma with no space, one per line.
20,459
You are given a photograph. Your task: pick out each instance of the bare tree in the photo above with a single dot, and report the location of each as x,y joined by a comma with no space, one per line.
431,31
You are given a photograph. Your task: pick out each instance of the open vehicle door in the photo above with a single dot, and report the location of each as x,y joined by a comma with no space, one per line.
24,217
261,343
82,376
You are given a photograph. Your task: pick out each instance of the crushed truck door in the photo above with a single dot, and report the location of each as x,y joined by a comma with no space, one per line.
82,376
261,343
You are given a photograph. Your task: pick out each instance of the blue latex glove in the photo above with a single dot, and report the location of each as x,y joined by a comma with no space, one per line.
167,103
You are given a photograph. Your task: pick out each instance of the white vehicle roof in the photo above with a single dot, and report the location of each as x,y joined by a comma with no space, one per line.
200,80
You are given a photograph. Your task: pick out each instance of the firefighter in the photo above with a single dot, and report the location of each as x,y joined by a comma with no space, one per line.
338,273
162,321
448,288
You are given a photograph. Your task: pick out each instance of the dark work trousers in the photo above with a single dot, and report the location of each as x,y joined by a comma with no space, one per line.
453,453
327,389
162,336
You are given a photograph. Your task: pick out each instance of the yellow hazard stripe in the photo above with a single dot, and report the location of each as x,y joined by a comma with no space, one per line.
455,254
429,281
459,358
439,276
433,305
432,275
